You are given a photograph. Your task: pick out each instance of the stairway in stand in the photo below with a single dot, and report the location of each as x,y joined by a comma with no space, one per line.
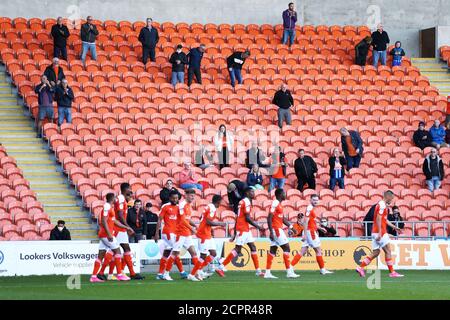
18,136
437,71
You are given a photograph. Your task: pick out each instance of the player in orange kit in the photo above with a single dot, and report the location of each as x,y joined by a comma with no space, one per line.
207,246
242,232
277,236
310,236
107,243
380,237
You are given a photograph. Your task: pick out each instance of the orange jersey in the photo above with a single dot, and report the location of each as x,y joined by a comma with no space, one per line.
169,214
121,205
297,229
245,207
380,210
110,216
204,230
184,216
277,211
311,216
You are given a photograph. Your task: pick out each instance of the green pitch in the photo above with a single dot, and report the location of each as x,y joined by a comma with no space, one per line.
236,285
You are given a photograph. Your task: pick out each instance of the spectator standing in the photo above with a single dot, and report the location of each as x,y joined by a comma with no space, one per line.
368,219
152,219
380,42
396,220
64,97
362,50
235,193
284,101
447,134
397,54
305,169
178,59
54,73
327,230
149,38
289,21
187,178
60,33
255,156
195,56
88,34
224,143
437,132
352,145
137,220
203,158
433,169
45,92
278,170
165,192
422,137
255,178
337,164
234,63
60,232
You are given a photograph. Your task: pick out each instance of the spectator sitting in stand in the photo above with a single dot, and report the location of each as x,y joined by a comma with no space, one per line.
164,193
187,178
422,137
255,178
297,227
396,220
437,132
60,232
326,230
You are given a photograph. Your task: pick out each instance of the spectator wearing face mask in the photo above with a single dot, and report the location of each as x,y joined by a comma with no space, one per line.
137,220
328,231
60,232
396,219
178,59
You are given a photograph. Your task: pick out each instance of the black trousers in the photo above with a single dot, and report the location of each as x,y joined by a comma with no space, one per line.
224,158
361,60
302,181
198,75
148,52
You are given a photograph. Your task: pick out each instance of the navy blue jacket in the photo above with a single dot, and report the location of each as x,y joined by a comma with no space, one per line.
356,141
195,58
64,100
47,90
253,179
148,38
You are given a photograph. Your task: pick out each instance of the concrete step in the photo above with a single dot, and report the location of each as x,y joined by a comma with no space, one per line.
69,219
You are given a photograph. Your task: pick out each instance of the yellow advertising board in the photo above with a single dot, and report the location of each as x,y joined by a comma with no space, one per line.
338,254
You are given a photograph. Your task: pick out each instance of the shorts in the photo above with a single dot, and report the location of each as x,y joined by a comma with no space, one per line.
182,242
107,245
376,245
169,240
279,240
310,242
205,245
244,238
122,237
45,112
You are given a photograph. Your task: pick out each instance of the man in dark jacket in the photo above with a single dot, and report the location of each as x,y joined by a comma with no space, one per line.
45,93
88,33
60,33
137,220
195,56
179,60
235,192
149,38
352,145
337,164
234,64
60,232
54,73
165,192
368,219
396,219
433,169
362,50
284,101
289,20
422,137
255,156
152,219
305,170
326,230
380,42
64,97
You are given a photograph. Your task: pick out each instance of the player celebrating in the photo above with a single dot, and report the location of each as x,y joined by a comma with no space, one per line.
310,236
207,246
242,232
380,237
121,208
107,243
169,216
277,236
184,230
